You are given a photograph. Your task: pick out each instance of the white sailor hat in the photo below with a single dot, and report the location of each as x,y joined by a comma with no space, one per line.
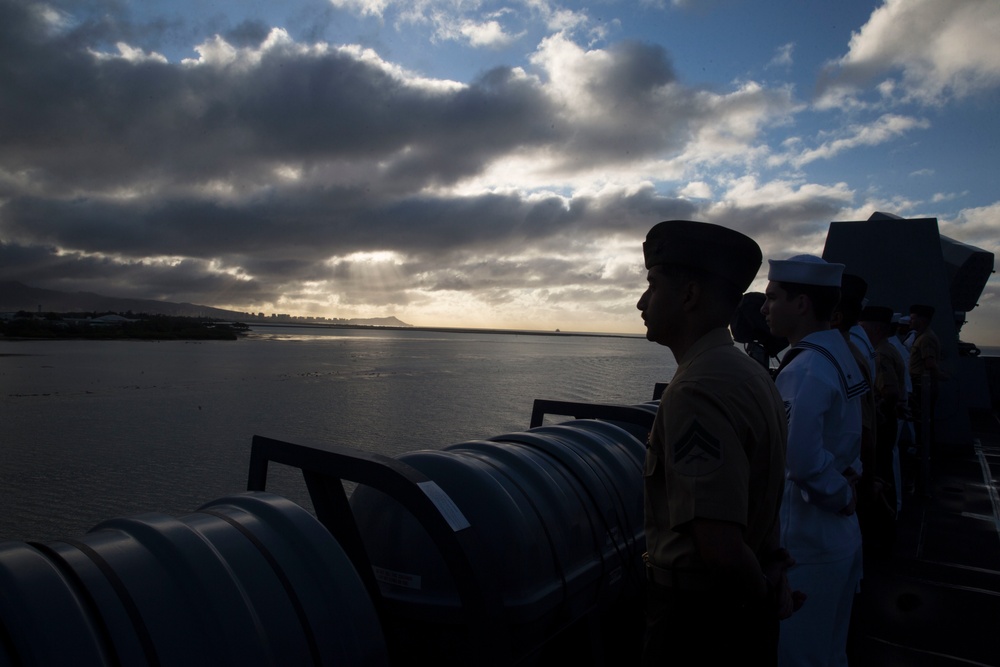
805,270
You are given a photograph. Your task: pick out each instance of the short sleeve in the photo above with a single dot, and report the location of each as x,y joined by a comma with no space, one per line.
707,472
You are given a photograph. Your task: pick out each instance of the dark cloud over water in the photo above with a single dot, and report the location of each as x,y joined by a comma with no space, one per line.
279,172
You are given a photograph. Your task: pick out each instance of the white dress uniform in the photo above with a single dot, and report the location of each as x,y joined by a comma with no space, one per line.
822,388
903,424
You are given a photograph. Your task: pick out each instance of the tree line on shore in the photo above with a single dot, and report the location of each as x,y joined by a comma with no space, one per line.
117,326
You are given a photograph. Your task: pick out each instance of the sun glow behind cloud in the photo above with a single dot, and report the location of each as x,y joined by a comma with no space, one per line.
458,162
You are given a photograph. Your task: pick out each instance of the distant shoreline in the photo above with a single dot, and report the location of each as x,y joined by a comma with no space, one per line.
251,325
470,330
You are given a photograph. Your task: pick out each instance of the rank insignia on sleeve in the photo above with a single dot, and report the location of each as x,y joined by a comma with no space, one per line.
697,452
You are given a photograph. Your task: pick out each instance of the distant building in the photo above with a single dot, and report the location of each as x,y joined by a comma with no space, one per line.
110,320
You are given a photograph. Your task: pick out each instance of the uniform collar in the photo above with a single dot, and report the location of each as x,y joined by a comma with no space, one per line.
714,338
832,346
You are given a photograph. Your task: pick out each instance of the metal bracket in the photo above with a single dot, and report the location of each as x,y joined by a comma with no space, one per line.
326,468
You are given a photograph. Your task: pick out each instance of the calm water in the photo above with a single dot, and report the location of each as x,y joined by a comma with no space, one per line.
91,430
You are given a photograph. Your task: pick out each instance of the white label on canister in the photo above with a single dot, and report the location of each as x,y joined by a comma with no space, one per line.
449,510
394,578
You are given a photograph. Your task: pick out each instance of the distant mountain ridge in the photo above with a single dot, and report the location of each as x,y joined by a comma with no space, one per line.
15,296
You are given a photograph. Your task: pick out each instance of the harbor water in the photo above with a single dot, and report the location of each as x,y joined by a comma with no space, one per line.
91,430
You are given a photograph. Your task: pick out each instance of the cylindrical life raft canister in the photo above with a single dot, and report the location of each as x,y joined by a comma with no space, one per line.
251,579
557,511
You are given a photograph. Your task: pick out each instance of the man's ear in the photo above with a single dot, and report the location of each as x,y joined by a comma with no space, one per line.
693,292
802,304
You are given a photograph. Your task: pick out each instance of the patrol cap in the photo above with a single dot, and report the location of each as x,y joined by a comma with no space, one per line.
701,245
882,314
805,270
922,310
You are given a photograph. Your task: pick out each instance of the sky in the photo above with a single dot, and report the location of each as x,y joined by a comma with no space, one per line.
469,163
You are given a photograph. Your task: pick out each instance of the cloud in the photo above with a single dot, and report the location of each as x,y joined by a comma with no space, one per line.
783,215
927,51
132,55
268,173
975,226
236,114
363,7
697,190
880,131
783,56
265,170
946,196
487,33
476,23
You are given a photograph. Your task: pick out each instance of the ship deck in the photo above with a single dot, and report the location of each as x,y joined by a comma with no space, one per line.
936,600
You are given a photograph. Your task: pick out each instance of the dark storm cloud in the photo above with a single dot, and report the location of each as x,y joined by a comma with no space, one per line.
634,74
781,221
247,33
313,225
180,180
143,279
79,120
305,228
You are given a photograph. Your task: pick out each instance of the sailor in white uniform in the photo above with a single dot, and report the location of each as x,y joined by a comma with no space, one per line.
821,385
904,399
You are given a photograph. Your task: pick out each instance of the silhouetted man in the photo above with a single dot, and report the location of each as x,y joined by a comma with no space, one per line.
714,469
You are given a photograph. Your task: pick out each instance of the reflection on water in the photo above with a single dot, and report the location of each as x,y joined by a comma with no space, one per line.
98,429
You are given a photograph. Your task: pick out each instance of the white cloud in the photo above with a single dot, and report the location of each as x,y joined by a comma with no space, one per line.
570,70
937,49
895,204
401,74
884,129
131,54
490,34
556,18
217,52
730,124
947,196
697,190
783,56
478,23
975,226
746,191
54,19
363,7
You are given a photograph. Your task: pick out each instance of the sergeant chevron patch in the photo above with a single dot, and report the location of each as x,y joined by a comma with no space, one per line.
697,452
